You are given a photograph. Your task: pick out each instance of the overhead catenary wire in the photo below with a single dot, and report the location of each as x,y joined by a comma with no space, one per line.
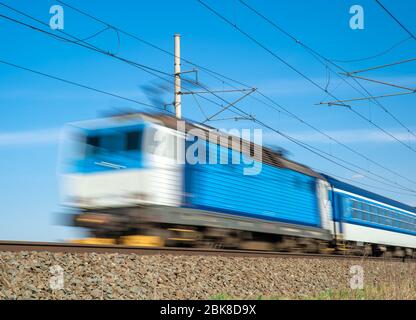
336,140
314,52
377,55
321,153
342,102
304,75
384,83
124,98
395,19
381,66
137,38
78,42
153,71
363,184
95,34
250,117
79,84
216,74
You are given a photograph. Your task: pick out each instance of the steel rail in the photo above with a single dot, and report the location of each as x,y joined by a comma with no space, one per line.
18,246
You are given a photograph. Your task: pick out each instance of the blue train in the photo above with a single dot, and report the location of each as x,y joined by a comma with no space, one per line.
151,180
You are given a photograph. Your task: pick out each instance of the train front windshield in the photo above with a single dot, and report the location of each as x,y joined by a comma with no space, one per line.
97,144
107,149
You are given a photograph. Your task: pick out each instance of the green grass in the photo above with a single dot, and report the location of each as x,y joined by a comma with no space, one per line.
381,292
228,297
221,296
405,291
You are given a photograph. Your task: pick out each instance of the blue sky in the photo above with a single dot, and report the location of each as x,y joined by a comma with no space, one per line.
34,108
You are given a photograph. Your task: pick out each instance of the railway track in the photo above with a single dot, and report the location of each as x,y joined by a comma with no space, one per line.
16,246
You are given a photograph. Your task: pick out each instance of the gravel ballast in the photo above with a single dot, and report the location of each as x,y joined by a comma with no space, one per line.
45,275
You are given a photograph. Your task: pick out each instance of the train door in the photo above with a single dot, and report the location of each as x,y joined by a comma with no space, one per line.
325,207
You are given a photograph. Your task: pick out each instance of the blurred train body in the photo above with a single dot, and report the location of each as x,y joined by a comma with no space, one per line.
131,181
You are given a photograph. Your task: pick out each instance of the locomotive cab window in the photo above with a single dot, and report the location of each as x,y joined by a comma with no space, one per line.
102,143
133,140
93,143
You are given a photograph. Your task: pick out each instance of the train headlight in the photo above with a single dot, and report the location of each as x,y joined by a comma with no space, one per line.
92,219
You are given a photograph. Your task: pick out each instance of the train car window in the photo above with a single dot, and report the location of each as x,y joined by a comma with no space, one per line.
387,221
382,216
133,140
355,214
376,214
355,204
379,214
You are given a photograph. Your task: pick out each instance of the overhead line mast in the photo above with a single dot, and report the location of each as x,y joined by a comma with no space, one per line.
177,73
249,117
